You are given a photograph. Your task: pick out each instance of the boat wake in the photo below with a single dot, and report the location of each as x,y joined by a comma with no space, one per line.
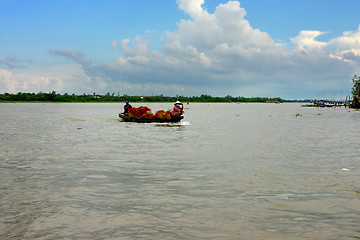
178,124
185,123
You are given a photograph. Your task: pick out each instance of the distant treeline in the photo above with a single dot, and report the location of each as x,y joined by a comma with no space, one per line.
55,97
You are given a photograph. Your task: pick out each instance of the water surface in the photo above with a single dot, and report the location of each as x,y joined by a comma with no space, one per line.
226,171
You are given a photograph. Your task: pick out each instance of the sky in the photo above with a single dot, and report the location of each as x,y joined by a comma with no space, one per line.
298,49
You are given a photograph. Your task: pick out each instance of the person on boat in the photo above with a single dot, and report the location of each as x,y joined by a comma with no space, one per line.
177,110
127,106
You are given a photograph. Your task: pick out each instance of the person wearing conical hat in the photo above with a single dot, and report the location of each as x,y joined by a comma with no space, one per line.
177,110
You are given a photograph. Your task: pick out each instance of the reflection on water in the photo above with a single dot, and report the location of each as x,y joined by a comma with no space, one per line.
250,171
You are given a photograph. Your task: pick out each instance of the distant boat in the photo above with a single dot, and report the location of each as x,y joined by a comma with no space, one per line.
328,104
273,101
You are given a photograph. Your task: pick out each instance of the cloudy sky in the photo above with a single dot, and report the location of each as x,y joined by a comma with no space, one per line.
293,49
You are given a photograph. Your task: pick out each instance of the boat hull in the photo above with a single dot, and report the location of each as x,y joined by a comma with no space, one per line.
126,118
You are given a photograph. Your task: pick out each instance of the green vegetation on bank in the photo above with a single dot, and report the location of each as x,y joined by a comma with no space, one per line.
356,82
56,97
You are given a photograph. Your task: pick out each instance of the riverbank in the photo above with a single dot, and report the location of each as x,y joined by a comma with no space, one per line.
93,98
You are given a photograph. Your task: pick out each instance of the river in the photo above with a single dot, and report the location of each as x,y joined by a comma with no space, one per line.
226,171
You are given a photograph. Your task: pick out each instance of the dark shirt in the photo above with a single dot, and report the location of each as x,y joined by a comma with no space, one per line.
126,108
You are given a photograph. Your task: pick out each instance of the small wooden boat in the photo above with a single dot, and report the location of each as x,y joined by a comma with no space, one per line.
126,118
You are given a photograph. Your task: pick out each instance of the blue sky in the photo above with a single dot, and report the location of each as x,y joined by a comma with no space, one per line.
292,49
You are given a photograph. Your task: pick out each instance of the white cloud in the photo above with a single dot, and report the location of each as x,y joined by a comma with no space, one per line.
192,7
15,82
351,56
7,85
225,26
209,48
306,40
222,51
349,40
61,78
